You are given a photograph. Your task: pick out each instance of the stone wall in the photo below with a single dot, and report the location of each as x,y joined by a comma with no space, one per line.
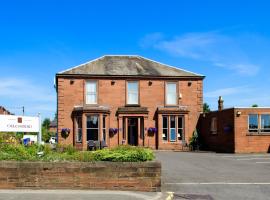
145,176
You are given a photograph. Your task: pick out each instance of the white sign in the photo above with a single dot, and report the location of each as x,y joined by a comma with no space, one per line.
12,123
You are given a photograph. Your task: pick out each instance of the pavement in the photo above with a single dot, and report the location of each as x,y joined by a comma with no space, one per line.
189,175
192,175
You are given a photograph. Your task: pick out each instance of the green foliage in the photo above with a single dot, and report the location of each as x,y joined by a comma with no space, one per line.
194,140
206,108
69,153
46,123
255,105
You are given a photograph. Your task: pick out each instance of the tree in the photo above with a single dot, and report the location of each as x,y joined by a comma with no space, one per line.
46,123
255,105
46,135
206,108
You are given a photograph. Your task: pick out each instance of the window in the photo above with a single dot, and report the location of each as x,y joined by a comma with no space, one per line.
171,93
79,129
180,127
253,123
104,127
165,128
91,92
92,127
172,129
214,125
132,93
265,123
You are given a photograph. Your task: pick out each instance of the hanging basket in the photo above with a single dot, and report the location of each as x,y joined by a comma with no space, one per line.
65,132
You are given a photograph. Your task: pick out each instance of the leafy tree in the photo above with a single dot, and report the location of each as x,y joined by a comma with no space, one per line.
46,135
255,105
206,108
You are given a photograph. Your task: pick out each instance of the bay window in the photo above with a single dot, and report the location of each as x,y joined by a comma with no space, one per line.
78,129
132,92
172,128
92,127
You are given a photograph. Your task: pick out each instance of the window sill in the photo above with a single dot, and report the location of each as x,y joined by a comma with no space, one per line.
132,105
258,134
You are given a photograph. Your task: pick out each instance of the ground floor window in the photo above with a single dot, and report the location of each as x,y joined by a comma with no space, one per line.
79,129
265,123
104,127
92,127
172,128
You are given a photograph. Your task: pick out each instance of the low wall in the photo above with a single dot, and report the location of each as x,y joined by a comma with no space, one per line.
145,176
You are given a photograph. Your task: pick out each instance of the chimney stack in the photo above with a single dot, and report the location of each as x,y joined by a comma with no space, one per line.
220,103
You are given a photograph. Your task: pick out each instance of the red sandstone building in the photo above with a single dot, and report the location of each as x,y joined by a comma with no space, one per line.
4,111
128,100
236,130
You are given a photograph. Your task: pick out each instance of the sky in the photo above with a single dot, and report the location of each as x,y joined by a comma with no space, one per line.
227,41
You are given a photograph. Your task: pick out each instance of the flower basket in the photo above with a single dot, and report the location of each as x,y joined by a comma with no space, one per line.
152,130
113,131
65,132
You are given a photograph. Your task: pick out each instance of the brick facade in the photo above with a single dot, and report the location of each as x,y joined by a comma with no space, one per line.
111,94
233,133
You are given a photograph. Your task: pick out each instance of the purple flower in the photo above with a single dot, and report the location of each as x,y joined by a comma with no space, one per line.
113,130
152,130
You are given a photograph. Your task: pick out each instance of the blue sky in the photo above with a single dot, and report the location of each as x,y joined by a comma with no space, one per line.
227,41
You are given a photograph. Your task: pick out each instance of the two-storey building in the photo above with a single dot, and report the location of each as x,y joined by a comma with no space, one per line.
128,100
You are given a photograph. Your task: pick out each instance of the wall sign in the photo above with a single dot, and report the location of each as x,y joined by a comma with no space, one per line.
12,123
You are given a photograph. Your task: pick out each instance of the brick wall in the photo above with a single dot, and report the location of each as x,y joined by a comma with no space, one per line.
72,175
244,140
113,96
223,140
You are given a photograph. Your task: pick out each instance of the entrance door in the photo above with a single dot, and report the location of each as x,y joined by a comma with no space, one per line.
133,131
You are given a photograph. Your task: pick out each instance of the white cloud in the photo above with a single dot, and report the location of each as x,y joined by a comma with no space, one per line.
18,92
218,49
228,91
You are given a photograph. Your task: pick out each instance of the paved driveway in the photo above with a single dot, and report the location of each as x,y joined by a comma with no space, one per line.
216,176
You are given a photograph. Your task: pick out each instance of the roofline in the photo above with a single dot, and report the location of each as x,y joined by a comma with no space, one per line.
234,108
129,76
195,74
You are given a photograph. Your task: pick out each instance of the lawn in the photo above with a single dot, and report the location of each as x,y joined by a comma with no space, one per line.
19,152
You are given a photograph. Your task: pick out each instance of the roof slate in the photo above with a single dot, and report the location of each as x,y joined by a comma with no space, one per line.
127,66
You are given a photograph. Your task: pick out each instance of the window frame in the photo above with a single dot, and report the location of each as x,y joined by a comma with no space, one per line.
138,92
86,92
264,130
175,129
176,95
163,116
104,137
214,125
258,124
96,115
78,129
183,129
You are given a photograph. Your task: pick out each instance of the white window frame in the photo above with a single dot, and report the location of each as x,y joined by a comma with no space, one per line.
132,92
167,93
78,129
263,130
91,93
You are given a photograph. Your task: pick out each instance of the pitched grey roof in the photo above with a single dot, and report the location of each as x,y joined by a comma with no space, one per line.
127,65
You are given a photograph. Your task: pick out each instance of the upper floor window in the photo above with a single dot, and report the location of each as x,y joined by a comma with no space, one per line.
253,122
171,93
132,92
265,123
91,92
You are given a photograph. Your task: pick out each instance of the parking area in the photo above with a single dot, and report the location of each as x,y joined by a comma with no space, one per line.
215,176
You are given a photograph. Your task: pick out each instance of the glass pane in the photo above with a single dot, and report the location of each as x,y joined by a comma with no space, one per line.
79,135
165,121
132,98
172,134
165,134
104,134
180,134
91,87
79,122
171,99
180,122
133,86
92,121
265,122
104,121
253,121
92,134
91,98
171,88
173,124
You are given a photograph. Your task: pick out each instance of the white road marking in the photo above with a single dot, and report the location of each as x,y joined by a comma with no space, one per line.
217,183
247,156
253,158
263,162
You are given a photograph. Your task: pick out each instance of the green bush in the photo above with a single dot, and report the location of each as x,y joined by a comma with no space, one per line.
68,153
